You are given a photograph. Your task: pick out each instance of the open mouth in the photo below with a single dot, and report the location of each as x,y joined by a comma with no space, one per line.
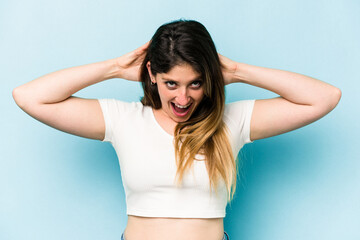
181,111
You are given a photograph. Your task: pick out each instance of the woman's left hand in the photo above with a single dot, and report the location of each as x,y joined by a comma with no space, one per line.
228,68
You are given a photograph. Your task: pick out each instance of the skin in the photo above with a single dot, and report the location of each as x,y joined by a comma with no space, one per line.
49,99
182,85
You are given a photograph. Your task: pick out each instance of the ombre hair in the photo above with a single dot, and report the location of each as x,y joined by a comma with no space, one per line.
188,41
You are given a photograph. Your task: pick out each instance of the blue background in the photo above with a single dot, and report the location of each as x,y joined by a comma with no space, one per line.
300,185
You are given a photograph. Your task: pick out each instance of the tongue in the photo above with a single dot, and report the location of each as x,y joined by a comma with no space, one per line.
180,110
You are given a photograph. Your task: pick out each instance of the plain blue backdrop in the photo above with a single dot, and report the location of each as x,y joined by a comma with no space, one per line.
300,185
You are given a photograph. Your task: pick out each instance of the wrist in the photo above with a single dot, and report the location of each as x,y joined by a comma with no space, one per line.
114,70
240,73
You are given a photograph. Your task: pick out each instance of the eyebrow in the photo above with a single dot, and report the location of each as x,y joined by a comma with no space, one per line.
196,79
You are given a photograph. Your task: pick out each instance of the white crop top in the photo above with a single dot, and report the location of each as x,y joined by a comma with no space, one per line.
147,162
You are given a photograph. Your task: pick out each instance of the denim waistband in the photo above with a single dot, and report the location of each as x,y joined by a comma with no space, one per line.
226,236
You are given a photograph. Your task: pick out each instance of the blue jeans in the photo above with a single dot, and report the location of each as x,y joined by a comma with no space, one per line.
226,236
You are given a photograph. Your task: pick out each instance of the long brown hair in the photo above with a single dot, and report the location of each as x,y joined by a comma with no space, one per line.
188,41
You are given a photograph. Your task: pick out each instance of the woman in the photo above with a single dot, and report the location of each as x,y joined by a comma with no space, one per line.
177,146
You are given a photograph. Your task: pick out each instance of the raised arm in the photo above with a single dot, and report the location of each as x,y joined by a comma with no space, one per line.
302,100
49,98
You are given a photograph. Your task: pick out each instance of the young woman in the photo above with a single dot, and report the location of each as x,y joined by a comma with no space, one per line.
177,148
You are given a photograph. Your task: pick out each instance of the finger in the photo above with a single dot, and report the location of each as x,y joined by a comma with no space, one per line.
222,59
144,47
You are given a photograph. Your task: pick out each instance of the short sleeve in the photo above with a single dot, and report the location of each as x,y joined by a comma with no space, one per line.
113,111
238,117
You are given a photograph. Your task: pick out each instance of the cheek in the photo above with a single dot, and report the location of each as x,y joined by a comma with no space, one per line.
200,95
164,94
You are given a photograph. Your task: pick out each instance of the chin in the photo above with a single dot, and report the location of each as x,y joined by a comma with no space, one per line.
181,120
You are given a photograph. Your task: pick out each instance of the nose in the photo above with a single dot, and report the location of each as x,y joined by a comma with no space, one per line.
183,96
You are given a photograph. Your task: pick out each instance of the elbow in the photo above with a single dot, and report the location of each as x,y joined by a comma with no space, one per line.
339,93
332,99
328,101
15,95
336,96
18,97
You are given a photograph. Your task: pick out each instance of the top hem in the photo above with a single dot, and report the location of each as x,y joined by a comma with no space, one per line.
171,214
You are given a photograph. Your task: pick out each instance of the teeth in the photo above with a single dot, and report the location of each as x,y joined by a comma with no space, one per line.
179,106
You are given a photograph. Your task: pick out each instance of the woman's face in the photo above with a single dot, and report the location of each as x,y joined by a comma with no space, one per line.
180,91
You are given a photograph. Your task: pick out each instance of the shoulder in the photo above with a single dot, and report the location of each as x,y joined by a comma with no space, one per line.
118,111
119,115
115,105
237,117
239,108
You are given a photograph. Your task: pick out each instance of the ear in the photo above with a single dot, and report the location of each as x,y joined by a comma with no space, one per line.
152,77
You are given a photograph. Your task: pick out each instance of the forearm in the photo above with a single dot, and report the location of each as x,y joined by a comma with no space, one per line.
59,85
294,87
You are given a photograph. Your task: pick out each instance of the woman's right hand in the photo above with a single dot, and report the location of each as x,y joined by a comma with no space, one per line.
129,64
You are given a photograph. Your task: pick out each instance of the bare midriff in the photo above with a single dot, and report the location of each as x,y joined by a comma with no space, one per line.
149,228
